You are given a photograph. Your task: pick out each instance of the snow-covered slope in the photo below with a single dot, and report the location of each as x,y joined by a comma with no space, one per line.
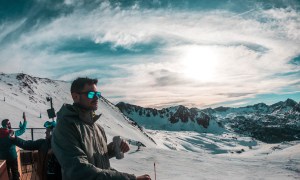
178,155
115,123
24,93
263,163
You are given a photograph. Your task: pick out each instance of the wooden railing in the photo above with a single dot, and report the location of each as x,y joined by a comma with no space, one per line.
3,171
26,170
3,167
30,172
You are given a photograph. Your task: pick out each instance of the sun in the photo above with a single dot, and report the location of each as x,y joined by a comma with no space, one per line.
199,63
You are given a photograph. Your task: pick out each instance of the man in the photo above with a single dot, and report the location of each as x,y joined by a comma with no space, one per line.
8,149
48,167
80,143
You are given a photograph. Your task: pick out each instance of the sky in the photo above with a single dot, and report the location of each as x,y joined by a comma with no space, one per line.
159,53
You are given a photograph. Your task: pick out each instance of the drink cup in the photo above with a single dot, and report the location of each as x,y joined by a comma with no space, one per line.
117,143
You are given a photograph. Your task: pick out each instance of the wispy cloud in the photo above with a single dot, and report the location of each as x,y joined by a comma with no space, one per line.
163,55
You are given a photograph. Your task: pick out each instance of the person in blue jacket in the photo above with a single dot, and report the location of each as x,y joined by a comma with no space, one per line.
48,167
8,149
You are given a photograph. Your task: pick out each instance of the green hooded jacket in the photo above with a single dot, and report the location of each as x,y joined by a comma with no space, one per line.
80,146
7,147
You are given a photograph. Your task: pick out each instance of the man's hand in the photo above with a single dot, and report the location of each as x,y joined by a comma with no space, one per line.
11,134
143,177
24,116
124,146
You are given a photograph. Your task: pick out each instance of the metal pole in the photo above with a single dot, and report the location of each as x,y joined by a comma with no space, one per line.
51,106
31,133
154,171
51,102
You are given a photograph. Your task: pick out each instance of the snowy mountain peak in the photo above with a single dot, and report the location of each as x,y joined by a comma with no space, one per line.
290,102
173,114
25,78
283,106
260,106
176,118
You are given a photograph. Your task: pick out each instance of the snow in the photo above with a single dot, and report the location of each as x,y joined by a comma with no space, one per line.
178,155
180,165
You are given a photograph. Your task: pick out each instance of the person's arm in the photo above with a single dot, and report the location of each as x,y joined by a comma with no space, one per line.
22,127
28,145
111,150
73,160
110,147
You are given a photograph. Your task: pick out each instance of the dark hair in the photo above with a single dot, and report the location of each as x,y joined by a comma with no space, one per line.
79,83
4,122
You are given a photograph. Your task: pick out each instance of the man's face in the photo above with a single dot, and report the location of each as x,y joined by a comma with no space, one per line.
83,100
8,125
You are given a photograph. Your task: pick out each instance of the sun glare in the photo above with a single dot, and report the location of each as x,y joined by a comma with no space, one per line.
199,63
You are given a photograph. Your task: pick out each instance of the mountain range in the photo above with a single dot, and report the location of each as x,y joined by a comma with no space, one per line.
269,123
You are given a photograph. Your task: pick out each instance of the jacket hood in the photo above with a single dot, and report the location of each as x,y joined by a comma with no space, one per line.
68,110
4,132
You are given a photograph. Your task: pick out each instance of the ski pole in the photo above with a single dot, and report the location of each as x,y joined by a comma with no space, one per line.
154,171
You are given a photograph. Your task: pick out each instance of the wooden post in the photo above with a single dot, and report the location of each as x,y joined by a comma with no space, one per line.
3,170
19,162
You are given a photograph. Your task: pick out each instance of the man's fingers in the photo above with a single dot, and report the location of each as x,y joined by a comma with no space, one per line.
24,116
147,176
143,177
124,146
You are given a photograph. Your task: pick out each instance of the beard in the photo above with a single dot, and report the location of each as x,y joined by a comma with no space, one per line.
86,107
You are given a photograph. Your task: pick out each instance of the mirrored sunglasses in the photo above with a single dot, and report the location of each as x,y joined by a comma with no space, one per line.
92,94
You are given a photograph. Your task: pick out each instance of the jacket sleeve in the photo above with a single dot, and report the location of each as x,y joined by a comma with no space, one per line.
28,145
110,146
73,160
22,128
111,151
